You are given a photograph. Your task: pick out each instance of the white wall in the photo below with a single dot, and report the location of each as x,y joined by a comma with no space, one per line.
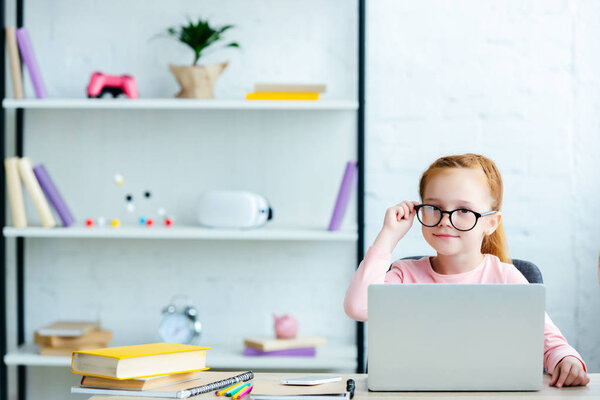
517,81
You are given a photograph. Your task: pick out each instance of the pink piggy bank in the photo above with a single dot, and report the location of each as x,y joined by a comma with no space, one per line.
286,326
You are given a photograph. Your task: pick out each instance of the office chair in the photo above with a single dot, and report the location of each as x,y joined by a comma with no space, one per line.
529,270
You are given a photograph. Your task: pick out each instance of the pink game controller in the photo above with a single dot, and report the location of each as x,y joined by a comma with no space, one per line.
114,84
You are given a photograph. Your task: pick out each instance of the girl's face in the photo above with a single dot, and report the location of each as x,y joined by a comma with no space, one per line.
452,189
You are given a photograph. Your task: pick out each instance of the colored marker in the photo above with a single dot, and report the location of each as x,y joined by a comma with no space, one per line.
228,388
234,391
242,393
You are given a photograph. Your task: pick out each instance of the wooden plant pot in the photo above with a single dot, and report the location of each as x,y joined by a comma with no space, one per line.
197,82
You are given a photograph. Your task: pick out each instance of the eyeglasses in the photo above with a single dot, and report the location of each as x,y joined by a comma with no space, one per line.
461,219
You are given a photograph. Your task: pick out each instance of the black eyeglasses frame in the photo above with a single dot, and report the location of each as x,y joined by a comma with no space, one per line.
442,212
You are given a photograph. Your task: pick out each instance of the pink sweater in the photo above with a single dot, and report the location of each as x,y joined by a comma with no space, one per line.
373,269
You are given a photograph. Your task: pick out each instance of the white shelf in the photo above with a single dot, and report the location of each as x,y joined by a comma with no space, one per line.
177,104
182,232
328,358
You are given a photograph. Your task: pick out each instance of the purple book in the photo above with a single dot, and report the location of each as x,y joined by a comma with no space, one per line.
28,57
346,188
298,352
53,195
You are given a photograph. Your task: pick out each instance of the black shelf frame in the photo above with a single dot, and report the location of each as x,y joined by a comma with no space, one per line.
20,241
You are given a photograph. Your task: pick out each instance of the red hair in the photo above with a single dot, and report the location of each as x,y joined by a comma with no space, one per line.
495,243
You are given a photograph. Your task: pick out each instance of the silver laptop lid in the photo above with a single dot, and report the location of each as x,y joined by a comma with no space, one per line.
455,337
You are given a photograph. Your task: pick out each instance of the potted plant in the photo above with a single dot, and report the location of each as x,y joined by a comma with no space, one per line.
197,81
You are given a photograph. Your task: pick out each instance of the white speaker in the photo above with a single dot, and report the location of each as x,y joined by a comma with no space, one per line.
233,209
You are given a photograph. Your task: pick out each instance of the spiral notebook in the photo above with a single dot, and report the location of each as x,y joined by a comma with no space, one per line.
207,382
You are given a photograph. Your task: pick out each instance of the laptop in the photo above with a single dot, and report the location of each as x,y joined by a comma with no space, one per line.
455,337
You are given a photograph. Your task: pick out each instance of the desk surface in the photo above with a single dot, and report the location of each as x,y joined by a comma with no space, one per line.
591,391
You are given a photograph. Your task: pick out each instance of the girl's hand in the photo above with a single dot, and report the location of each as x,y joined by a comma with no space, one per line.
397,221
569,372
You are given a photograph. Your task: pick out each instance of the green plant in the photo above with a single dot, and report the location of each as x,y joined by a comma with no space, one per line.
199,36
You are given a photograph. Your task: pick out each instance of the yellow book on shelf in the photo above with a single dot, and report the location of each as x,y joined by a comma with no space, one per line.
273,344
282,96
139,361
15,192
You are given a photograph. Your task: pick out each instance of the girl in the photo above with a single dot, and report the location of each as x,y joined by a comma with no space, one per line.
460,213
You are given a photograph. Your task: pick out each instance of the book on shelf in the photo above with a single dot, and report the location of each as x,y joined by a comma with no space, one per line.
282,96
273,344
95,336
30,61
68,328
208,381
290,87
35,192
347,187
15,192
139,361
53,195
154,382
294,352
14,59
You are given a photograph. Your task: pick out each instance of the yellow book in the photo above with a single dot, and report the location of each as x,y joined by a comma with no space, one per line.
139,361
282,96
15,192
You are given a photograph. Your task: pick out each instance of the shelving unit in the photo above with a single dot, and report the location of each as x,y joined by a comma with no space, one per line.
177,104
183,232
330,357
219,357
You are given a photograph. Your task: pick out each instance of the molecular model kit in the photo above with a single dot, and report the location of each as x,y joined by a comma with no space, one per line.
144,218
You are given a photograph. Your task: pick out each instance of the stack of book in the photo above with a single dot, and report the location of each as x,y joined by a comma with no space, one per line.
65,337
149,370
264,91
298,347
41,189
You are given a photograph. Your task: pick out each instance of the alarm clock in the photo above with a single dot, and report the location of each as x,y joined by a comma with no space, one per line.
180,322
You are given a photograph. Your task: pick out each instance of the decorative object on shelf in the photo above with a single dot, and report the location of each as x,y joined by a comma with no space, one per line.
347,187
180,322
233,209
198,81
30,61
100,84
286,91
286,326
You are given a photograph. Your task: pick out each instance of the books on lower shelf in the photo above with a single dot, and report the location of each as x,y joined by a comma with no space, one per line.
64,337
139,361
40,188
286,91
299,344
296,352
